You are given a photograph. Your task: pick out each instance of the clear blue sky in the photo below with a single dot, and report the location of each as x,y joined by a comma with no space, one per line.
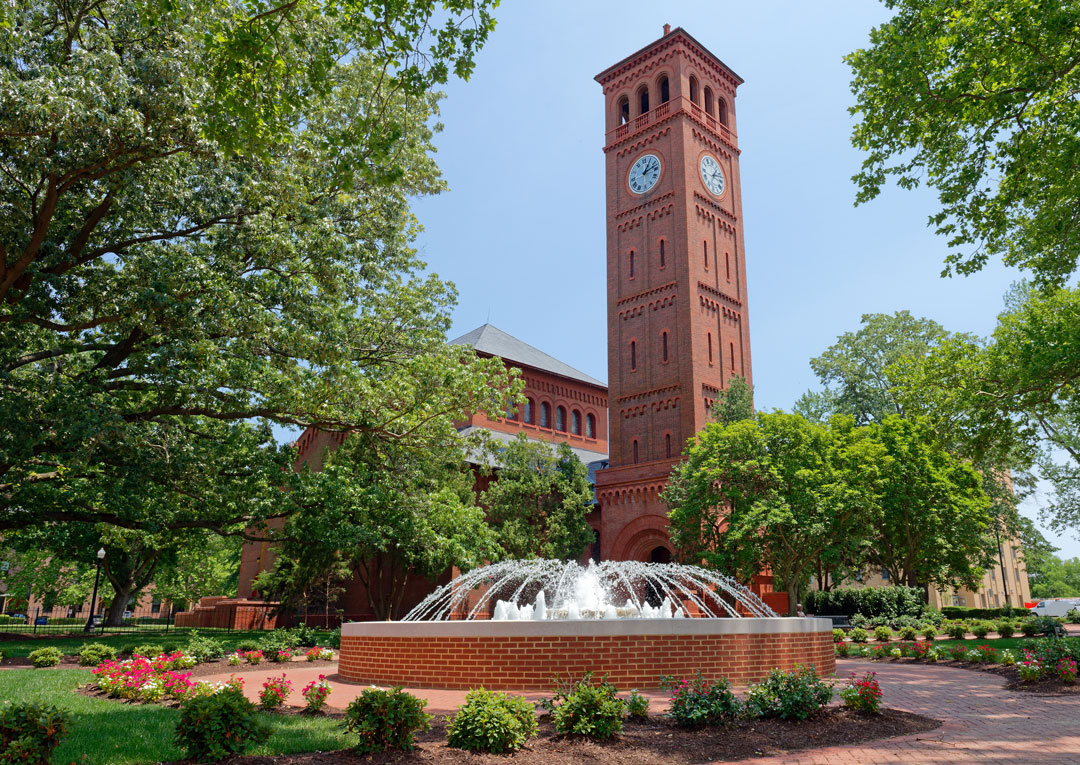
521,231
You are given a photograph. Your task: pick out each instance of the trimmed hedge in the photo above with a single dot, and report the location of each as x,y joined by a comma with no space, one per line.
889,602
960,612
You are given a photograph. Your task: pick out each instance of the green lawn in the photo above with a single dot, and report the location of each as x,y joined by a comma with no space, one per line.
107,732
175,638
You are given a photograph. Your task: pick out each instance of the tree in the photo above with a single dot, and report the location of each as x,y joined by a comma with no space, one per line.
778,492
978,99
734,403
205,231
933,522
538,504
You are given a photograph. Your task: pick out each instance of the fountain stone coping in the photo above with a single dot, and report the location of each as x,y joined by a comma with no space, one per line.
586,627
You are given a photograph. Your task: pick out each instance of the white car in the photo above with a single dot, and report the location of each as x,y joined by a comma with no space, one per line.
1055,606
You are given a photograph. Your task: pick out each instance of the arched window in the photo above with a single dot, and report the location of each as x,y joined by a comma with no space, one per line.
709,338
665,90
721,106
643,100
663,345
560,419
575,422
631,264
622,110
633,355
511,412
693,89
705,252
662,254
635,451
708,101
529,413
667,444
732,347
545,415
590,426
727,264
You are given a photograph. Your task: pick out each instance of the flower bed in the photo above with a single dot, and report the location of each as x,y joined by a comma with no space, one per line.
151,680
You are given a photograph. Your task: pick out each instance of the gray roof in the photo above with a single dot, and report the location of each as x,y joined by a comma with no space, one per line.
493,341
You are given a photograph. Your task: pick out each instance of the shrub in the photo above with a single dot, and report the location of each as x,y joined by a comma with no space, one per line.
386,719
1030,670
244,646
957,630
934,655
219,726
792,695
838,636
204,649
335,638
842,649
987,654
961,612
1008,658
889,602
492,722
882,634
589,709
29,731
278,640
637,706
909,632
981,629
696,702
92,654
1048,625
862,694
929,631
1066,670
921,649
1005,628
148,650
1029,627
304,635
49,656
316,692
253,657
858,635
1073,616
274,692
958,653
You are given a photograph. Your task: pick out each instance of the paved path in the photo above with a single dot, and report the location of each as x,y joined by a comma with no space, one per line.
984,723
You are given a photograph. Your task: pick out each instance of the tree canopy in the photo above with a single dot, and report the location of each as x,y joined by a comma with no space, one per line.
978,100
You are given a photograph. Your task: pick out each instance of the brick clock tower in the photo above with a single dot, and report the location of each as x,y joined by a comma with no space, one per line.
676,276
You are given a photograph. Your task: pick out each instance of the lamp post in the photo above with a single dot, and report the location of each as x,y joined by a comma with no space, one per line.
90,619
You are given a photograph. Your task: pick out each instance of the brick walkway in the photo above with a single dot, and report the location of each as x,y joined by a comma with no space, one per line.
984,723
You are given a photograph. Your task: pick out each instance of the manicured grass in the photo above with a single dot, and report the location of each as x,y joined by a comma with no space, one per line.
106,731
178,638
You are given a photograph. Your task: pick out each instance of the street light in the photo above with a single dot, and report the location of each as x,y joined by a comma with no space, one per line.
90,619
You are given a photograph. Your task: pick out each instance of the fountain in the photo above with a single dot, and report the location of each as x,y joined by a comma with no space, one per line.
519,624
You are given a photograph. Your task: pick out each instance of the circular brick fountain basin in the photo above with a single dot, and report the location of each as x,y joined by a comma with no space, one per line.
527,655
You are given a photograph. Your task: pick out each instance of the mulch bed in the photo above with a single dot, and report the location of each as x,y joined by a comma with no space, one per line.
1048,686
652,741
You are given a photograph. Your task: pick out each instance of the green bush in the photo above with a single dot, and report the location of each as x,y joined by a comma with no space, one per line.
838,636
278,640
219,726
49,656
246,645
590,709
9,619
956,630
93,654
386,719
696,703
1048,625
910,632
204,649
882,634
1073,616
858,635
960,612
1005,628
149,650
792,695
981,629
929,631
492,722
305,635
889,602
29,731
334,641
1029,627
637,706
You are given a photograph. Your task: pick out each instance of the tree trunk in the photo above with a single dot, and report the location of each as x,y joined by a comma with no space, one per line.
119,603
792,596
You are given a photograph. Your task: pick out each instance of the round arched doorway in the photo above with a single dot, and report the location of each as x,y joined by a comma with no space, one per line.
660,554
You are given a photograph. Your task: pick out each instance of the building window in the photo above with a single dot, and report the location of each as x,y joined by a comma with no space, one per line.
511,412
643,100
623,110
663,346
665,90
885,574
590,426
529,404
663,255
727,264
667,444
693,89
155,607
708,337
631,264
545,415
721,106
708,101
560,419
705,252
575,422
732,347
635,451
633,355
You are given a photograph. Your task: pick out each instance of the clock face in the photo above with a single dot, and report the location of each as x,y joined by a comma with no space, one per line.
644,173
711,175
